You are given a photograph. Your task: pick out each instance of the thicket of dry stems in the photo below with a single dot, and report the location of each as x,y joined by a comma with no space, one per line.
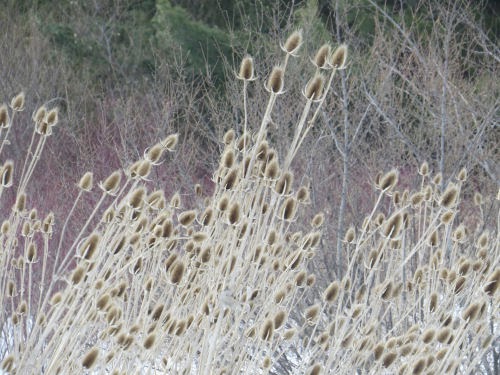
154,286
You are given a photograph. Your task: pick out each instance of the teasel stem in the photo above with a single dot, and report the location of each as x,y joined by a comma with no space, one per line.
5,140
245,121
31,167
64,264
313,118
298,130
63,230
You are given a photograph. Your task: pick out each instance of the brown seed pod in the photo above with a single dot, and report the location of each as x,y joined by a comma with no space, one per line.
276,81
267,330
246,69
293,43
90,358
314,88
321,57
339,57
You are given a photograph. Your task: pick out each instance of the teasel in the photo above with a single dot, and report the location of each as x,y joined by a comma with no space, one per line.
303,195
449,198
393,225
331,292
321,58
89,246
314,88
246,72
293,43
90,358
112,183
387,182
280,319
186,218
433,302
267,330
7,173
492,283
311,314
389,358
478,199
315,369
276,81
170,142
339,57
234,213
423,170
4,117
447,217
462,175
177,271
289,208
311,280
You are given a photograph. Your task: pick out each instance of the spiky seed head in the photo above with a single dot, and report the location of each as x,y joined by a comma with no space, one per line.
438,178
311,280
8,363
417,198
31,253
280,319
272,170
112,183
389,358
462,175
318,220
492,283
20,204
231,179
266,363
177,271
321,57
90,358
7,173
17,102
314,88
315,369
393,225
471,312
428,335
378,350
443,335
478,198
339,57
433,302
136,199
312,313
52,117
246,69
267,330
186,218
4,117
433,239
234,213
228,158
170,142
149,342
424,169
350,235
419,366
276,80
389,180
78,275
284,183
86,182
293,43
447,217
331,292
155,153
289,209
449,198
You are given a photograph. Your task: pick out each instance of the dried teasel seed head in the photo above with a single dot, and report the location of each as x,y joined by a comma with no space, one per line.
112,183
293,43
246,69
449,198
284,184
443,335
315,369
478,198
8,363
314,88
272,170
393,225
136,199
234,213
17,102
350,235
321,57
20,204
86,182
77,275
170,142
155,153
150,340
276,80
229,137
462,175
289,209
303,195
492,283
280,319
339,57
177,272
389,358
90,358
331,292
389,180
89,246
186,218
6,174
471,312
428,335
267,330
312,313
4,117
52,117
423,170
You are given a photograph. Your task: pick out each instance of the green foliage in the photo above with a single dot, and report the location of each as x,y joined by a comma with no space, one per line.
199,43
